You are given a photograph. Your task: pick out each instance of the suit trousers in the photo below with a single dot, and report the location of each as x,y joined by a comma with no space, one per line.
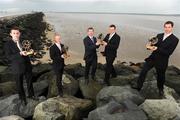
59,75
92,63
19,84
160,70
109,70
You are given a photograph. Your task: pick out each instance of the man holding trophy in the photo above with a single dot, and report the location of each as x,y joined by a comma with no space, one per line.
90,55
162,46
111,43
58,54
20,64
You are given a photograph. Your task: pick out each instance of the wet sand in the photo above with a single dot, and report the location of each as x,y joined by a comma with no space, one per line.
133,29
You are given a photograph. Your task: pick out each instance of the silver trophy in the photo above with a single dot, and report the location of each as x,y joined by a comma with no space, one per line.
26,45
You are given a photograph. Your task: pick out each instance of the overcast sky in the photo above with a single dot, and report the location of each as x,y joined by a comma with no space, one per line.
117,6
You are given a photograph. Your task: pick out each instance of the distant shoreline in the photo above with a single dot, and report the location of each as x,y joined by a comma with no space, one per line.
148,14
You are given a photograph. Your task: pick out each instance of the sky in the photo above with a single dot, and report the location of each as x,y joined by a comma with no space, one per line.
105,6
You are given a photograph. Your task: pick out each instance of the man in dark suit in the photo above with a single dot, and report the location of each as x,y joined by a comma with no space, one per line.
90,55
57,55
111,42
20,64
159,58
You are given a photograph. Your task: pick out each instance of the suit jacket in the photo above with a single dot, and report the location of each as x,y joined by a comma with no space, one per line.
164,50
19,64
90,48
112,46
55,55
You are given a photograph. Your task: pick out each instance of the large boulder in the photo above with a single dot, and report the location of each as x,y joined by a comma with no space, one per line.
122,69
57,108
121,80
40,87
12,117
173,81
151,91
70,85
40,69
163,109
13,106
6,75
75,70
126,110
91,90
7,88
119,93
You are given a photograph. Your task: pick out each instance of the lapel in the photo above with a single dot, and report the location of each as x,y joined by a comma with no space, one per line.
14,46
111,37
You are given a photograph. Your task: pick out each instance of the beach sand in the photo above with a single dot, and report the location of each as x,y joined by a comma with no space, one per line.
133,29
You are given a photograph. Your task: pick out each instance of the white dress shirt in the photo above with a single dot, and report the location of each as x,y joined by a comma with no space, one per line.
19,46
59,46
166,35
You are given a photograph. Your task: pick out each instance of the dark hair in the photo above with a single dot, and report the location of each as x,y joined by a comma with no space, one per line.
113,26
15,28
169,22
90,28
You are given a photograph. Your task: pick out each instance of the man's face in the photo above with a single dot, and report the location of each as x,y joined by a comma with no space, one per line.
15,34
90,32
168,28
57,39
111,30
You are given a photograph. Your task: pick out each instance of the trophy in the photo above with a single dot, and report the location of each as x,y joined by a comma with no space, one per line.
100,37
152,41
26,45
65,51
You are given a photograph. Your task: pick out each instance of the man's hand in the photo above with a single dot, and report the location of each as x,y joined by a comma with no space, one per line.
152,48
23,53
104,43
98,42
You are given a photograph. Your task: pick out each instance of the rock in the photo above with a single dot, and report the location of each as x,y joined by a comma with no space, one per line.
75,70
41,87
91,90
7,88
118,93
123,69
172,70
72,108
40,69
173,81
123,80
150,91
161,109
12,117
13,106
6,75
70,85
126,110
